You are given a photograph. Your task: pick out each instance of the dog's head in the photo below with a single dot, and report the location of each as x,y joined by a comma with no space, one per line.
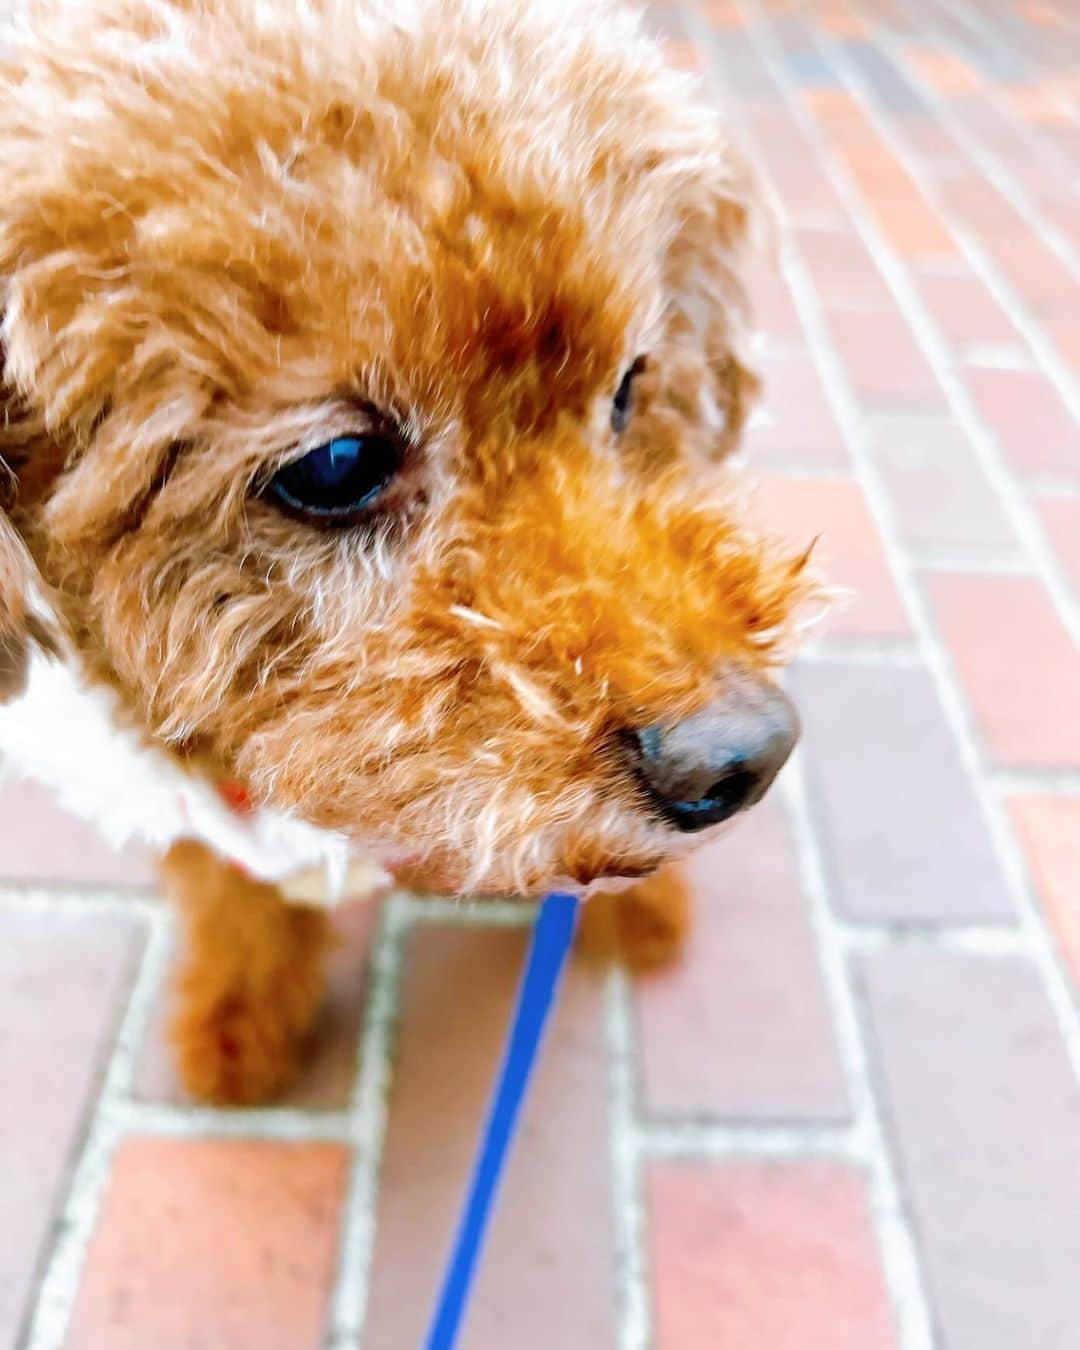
367,367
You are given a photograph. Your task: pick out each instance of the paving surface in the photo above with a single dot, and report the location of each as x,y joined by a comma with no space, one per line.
851,1118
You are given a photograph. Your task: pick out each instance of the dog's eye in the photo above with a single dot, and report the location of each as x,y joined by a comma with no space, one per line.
623,405
336,482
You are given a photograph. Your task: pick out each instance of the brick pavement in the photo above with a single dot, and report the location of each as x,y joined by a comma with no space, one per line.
851,1118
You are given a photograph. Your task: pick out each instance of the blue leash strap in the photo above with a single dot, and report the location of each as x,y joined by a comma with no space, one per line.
551,942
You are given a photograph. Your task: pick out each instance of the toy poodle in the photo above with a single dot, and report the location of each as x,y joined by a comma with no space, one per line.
367,369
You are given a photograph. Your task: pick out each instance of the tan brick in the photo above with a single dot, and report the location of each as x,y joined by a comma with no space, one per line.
548,1277
741,1027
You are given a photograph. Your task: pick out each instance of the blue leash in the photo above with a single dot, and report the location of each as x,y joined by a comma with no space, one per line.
551,941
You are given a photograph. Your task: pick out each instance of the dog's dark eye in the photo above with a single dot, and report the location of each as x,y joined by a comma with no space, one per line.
336,482
623,405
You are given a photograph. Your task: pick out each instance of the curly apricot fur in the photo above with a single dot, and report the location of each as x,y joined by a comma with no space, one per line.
230,228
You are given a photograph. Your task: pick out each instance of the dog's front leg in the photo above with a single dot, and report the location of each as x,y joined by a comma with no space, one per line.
644,926
251,982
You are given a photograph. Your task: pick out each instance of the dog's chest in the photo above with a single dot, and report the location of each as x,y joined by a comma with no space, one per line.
69,737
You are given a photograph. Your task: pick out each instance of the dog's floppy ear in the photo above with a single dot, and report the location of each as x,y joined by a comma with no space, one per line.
705,267
18,625
15,574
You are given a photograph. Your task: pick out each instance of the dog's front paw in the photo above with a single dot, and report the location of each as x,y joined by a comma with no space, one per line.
643,927
238,1046
251,985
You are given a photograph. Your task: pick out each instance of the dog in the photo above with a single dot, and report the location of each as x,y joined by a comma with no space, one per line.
368,372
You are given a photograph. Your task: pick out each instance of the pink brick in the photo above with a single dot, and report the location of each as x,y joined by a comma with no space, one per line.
844,274
1061,520
1017,664
984,1111
900,827
1049,831
43,843
63,982
849,552
1032,425
548,1277
884,364
741,1027
794,424
223,1243
938,491
964,309
765,1257
1040,281
774,309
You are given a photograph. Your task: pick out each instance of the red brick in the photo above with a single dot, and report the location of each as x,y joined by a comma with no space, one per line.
1017,664
985,1113
741,1028
1032,425
548,1272
904,216
903,836
63,980
1049,831
327,1077
213,1242
43,843
722,13
794,424
849,553
1061,520
765,1257
940,497
884,364
943,71
964,309
844,274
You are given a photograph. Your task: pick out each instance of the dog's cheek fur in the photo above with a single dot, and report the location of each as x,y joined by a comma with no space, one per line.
464,704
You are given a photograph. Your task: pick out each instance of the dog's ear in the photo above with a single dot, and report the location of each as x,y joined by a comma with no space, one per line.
718,210
19,627
15,574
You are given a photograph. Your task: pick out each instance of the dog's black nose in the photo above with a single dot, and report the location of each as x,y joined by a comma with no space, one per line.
708,766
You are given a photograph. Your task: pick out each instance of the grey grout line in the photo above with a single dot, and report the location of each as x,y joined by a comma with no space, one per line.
722,1141
278,1124
39,898
632,1287
367,1121
58,1288
1043,951
1035,782
990,940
